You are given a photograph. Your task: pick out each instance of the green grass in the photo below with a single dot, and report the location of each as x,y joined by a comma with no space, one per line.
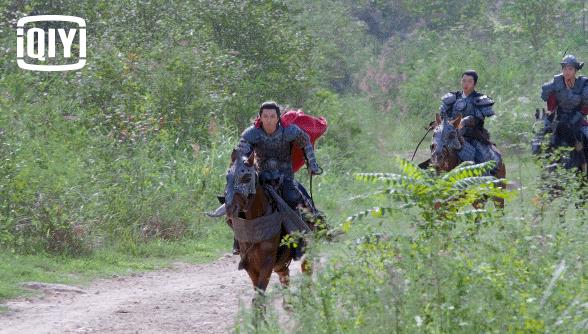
15,269
494,280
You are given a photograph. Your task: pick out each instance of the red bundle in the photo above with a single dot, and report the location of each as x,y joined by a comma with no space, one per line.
313,126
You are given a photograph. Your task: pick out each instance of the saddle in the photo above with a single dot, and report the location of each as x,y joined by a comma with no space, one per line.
275,179
480,134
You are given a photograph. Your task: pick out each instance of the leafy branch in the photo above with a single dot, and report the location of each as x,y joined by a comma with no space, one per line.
439,199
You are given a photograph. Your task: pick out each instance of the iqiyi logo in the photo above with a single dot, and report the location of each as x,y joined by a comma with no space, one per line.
41,44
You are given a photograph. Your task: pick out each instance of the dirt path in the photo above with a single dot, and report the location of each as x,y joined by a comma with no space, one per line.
184,299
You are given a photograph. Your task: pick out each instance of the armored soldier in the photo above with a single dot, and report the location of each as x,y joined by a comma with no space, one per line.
565,95
473,107
271,144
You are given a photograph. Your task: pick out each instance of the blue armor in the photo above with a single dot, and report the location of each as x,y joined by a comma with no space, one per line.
273,156
569,101
477,146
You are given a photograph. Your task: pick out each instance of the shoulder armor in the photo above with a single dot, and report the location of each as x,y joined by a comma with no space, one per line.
483,101
292,131
558,82
583,81
251,134
449,98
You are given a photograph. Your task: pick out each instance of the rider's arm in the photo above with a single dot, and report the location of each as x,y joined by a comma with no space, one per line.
446,108
483,107
248,139
579,115
550,87
301,139
584,105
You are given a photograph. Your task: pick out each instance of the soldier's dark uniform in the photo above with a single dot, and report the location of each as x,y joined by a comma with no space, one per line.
569,101
273,159
273,156
477,146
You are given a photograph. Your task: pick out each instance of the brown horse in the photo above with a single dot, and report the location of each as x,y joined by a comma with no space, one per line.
446,142
247,204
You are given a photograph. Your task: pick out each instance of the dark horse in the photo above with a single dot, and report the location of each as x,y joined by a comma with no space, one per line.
573,157
257,225
446,142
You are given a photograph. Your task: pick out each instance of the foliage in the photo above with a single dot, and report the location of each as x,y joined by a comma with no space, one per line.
438,199
124,156
133,146
524,273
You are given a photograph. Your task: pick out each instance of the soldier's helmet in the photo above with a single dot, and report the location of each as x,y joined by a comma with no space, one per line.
571,60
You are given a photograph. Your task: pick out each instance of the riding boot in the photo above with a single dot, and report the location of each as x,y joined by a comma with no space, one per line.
236,249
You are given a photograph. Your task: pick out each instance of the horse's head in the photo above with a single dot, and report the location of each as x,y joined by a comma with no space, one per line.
446,141
241,185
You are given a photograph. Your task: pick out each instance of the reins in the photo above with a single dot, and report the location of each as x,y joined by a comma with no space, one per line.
415,150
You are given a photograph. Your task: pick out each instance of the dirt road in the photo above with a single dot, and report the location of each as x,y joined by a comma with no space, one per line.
184,299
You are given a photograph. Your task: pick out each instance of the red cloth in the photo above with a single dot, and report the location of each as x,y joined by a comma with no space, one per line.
551,103
585,112
313,126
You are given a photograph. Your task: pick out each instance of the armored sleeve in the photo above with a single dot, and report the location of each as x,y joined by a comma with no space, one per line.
584,104
301,138
446,108
245,146
550,87
483,107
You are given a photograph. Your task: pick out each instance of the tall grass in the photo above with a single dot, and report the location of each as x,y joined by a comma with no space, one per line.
520,271
523,271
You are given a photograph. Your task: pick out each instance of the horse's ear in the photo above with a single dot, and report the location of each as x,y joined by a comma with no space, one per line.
456,122
233,156
437,119
249,161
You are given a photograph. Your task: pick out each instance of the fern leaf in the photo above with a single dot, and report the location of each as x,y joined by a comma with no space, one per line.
469,169
473,181
411,170
376,212
373,177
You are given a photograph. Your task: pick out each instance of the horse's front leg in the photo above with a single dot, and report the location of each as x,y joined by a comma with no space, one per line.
262,263
284,274
258,303
267,259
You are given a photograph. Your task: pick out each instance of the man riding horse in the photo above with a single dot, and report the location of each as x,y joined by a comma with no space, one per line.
473,107
271,144
567,97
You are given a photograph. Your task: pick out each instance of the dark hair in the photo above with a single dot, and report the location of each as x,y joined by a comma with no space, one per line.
472,74
271,105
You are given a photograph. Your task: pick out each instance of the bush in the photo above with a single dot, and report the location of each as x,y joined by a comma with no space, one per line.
517,272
